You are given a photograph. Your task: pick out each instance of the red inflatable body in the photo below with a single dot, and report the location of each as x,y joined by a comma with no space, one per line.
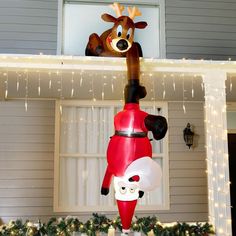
124,147
129,151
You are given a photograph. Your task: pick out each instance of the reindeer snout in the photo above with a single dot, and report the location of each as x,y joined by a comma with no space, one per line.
122,44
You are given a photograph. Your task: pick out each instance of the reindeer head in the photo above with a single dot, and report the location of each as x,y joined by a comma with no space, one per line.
122,32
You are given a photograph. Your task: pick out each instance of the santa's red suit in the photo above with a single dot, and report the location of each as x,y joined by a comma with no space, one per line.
129,142
129,153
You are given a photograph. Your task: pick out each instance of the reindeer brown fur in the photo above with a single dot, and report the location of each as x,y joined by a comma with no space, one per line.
116,41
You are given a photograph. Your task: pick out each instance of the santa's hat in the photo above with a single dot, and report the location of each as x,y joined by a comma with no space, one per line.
126,211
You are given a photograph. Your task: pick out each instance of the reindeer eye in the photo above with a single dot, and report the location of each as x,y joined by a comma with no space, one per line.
129,33
119,30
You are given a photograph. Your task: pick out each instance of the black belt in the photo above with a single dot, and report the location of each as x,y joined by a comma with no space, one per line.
131,134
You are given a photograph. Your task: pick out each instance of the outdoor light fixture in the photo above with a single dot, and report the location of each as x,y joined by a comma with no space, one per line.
188,135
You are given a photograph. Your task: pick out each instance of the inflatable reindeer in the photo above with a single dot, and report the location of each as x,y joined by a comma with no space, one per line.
116,41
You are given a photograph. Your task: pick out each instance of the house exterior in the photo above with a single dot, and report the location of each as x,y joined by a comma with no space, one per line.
193,29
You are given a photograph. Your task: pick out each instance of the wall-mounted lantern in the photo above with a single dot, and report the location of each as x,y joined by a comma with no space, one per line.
188,135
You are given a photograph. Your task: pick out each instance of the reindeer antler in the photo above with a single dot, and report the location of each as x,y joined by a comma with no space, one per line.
134,11
117,8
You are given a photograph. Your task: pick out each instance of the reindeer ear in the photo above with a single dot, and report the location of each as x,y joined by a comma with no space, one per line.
140,25
108,18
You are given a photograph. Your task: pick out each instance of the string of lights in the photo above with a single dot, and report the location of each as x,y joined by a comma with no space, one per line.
98,224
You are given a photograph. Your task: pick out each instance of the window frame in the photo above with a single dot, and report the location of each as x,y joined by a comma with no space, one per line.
165,158
161,20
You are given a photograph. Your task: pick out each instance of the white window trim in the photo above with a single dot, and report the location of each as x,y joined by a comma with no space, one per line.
165,160
231,106
160,3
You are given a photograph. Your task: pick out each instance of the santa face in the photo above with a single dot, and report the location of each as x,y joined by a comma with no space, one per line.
125,190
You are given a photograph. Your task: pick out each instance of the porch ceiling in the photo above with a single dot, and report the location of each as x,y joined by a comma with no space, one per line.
105,78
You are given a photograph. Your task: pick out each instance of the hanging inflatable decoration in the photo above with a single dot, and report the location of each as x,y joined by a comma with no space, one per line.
129,153
118,40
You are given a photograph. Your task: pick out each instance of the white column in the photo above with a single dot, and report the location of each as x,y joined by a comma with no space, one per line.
2,90
217,153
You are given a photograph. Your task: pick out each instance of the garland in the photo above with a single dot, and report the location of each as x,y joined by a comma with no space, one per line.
100,223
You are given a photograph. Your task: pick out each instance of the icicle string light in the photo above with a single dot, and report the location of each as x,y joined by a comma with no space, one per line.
184,108
61,85
164,88
39,83
92,90
81,78
50,80
26,90
72,84
60,108
61,88
170,77
230,84
112,83
6,84
173,81
153,91
18,81
192,87
103,86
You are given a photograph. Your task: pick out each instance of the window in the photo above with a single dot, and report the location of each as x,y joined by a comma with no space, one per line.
83,129
79,19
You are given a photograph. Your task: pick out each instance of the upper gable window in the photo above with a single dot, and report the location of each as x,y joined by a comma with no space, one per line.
80,19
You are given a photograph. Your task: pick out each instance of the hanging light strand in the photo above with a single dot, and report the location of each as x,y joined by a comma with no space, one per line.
230,84
18,81
103,86
72,84
59,73
39,83
81,78
192,85
173,81
92,90
50,80
61,85
164,87
112,83
184,108
151,79
26,90
6,84
202,84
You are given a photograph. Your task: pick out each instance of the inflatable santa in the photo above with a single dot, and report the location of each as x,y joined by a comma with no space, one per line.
129,151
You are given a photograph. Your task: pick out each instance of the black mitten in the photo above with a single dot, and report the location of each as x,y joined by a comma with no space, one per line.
156,124
104,191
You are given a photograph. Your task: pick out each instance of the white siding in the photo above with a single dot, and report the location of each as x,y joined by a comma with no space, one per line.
194,29
26,159
201,29
26,163
188,178
28,27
